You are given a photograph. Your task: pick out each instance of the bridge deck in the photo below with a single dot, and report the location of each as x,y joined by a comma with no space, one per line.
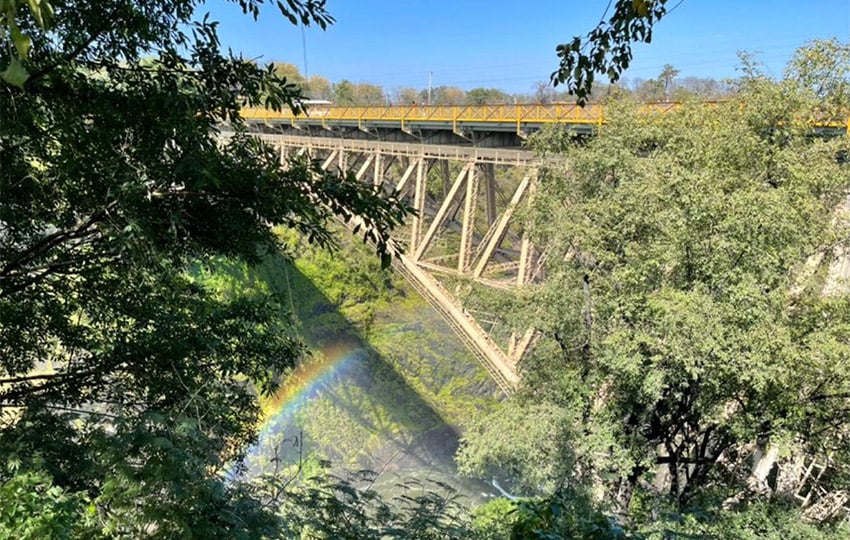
508,156
518,118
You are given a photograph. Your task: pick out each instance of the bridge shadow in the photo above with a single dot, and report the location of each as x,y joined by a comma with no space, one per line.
390,401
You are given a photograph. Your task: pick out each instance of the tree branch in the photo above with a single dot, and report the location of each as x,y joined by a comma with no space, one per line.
69,56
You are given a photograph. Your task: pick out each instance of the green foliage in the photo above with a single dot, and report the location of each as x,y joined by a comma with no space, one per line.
823,69
486,96
328,507
31,507
348,93
146,476
564,515
41,13
683,313
516,442
608,47
760,520
443,95
354,283
131,359
494,519
345,288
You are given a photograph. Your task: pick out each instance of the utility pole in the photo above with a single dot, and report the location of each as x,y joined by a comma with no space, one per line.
430,75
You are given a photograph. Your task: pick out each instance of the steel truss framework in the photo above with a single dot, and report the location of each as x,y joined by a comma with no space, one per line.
463,231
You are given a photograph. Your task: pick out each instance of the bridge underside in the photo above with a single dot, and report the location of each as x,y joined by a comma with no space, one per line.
484,136
463,232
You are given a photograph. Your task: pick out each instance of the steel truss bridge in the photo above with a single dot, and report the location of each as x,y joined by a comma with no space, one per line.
463,230
465,172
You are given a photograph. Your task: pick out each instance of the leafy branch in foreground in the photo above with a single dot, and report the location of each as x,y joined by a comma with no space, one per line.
607,49
127,380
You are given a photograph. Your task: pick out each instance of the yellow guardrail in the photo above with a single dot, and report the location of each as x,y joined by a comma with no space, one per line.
443,114
557,113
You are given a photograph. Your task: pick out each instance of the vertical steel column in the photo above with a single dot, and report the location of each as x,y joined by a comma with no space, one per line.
445,180
490,191
418,204
378,169
525,256
470,206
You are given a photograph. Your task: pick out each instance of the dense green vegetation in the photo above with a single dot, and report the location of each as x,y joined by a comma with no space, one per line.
695,347
693,358
123,379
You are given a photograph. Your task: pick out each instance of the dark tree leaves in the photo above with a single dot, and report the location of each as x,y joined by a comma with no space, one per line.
607,49
129,367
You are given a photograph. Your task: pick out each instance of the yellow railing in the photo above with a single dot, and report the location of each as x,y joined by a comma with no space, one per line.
558,113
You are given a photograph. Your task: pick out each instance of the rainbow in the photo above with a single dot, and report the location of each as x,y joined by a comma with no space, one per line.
307,380
304,383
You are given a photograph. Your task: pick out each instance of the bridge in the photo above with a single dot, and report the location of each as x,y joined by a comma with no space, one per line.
473,123
481,125
465,172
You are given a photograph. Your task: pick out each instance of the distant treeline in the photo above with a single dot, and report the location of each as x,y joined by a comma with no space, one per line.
667,86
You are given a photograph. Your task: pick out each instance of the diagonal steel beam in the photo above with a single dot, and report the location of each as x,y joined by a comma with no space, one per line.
441,213
407,173
369,159
500,227
329,160
518,347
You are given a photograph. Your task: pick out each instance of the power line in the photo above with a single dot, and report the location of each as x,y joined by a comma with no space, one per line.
304,51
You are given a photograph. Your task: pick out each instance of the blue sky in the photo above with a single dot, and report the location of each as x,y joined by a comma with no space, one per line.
511,45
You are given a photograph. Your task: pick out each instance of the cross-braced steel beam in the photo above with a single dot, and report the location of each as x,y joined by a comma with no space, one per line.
463,230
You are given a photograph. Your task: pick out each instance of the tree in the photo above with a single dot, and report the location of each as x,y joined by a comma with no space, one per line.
344,93
543,93
686,318
444,95
319,87
648,90
700,88
348,93
822,69
405,96
290,73
369,94
487,96
127,379
668,74
607,49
